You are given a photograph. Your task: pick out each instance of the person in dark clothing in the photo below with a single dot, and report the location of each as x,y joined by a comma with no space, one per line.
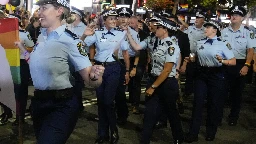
34,28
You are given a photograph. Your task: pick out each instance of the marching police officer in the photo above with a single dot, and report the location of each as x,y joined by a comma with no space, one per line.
108,40
162,87
78,27
242,42
22,96
54,106
195,33
213,55
121,106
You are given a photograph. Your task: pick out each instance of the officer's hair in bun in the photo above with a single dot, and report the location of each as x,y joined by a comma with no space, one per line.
66,12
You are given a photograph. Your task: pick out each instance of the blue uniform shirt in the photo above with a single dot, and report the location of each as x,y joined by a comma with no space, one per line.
107,42
26,38
79,29
194,34
240,40
149,43
206,52
136,38
166,51
53,58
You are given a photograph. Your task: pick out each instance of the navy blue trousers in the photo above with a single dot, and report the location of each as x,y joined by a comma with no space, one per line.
106,99
120,98
163,98
54,120
236,85
210,83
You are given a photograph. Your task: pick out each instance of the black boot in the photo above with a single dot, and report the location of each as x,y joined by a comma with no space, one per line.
114,137
5,118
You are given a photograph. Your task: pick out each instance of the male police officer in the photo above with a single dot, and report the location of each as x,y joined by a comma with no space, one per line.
121,106
195,33
241,41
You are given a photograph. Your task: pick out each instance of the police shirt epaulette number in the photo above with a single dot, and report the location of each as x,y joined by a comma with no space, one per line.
71,34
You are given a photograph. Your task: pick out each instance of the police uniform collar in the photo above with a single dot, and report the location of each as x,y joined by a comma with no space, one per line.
214,38
111,30
202,28
240,29
58,30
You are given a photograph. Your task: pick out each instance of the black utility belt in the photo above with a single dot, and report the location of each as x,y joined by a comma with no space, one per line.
212,69
54,94
105,63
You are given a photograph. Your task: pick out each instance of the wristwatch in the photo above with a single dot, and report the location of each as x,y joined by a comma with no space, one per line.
153,86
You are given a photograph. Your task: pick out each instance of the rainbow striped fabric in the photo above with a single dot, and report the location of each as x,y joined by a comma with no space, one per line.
9,33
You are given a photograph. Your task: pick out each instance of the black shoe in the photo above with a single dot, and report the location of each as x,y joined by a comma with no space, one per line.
160,125
210,138
5,118
232,122
191,138
177,141
181,108
114,137
101,140
121,121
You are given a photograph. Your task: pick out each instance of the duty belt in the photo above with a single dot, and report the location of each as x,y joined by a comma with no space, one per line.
53,94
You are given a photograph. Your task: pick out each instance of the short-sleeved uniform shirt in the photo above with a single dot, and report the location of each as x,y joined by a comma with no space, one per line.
107,42
131,51
194,34
26,38
150,42
166,51
53,58
206,52
240,40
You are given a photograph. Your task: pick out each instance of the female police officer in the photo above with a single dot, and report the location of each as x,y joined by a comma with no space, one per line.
213,55
108,40
54,107
162,87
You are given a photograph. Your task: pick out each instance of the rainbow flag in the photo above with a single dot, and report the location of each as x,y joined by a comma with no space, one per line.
9,33
183,7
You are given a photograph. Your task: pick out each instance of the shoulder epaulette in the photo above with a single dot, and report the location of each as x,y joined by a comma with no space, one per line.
246,27
203,39
169,43
118,29
74,36
100,29
22,31
219,39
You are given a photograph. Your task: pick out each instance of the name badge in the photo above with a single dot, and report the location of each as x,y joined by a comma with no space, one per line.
103,40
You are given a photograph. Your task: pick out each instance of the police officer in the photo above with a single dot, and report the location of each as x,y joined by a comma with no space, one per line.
162,87
195,33
121,106
241,40
213,55
22,96
78,27
108,40
54,106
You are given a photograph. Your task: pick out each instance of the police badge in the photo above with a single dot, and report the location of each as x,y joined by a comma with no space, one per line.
171,51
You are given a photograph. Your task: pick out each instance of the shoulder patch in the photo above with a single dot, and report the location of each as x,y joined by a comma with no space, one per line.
229,46
169,43
29,37
74,36
252,35
171,51
81,49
